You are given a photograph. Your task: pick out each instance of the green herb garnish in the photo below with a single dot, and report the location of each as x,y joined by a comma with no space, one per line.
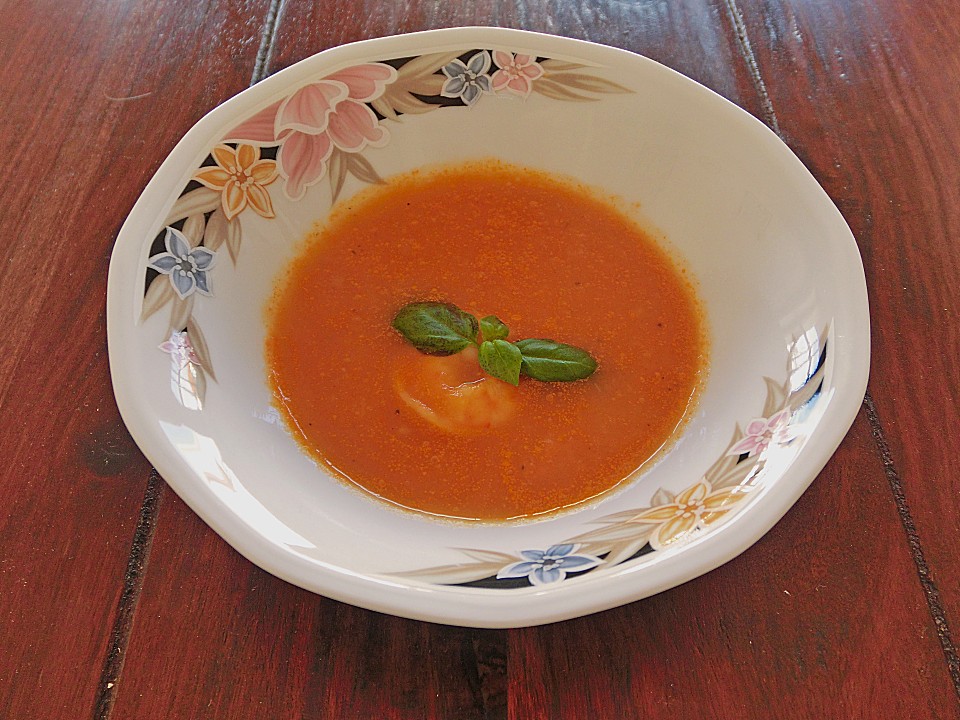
501,359
436,328
493,328
551,361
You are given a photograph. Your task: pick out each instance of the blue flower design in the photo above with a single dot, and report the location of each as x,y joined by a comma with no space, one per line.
187,268
542,567
467,82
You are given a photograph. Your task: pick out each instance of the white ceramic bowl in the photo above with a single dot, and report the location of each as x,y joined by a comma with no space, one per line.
778,272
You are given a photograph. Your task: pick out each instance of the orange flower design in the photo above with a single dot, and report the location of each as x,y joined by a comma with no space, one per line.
240,176
696,507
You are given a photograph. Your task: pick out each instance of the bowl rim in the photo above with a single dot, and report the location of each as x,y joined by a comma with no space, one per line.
448,604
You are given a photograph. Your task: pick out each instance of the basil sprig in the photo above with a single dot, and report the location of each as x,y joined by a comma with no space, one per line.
501,359
437,328
493,328
550,361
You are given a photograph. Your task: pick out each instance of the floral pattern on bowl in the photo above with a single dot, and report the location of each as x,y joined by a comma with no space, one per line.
320,130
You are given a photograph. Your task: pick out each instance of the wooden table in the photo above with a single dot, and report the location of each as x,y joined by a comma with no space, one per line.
116,601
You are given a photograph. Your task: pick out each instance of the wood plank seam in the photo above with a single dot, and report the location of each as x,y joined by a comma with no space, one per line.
150,509
129,596
930,591
753,69
265,50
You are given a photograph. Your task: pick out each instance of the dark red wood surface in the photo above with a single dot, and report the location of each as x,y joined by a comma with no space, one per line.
874,116
116,601
83,89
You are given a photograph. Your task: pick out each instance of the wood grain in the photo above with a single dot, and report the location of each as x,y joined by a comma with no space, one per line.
92,100
216,637
821,618
834,613
873,113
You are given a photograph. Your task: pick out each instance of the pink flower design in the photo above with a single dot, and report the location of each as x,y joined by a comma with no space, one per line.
317,119
516,73
180,347
761,431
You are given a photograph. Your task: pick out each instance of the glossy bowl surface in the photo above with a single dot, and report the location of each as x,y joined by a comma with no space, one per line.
777,268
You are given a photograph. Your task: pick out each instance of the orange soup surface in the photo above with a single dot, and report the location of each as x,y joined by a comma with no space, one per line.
436,434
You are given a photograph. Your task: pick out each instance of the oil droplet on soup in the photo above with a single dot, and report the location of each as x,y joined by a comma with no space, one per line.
437,435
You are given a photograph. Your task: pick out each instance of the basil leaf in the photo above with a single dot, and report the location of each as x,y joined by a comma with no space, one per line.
493,328
551,361
502,360
436,328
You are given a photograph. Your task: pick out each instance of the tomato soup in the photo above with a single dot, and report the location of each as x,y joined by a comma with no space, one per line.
438,435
